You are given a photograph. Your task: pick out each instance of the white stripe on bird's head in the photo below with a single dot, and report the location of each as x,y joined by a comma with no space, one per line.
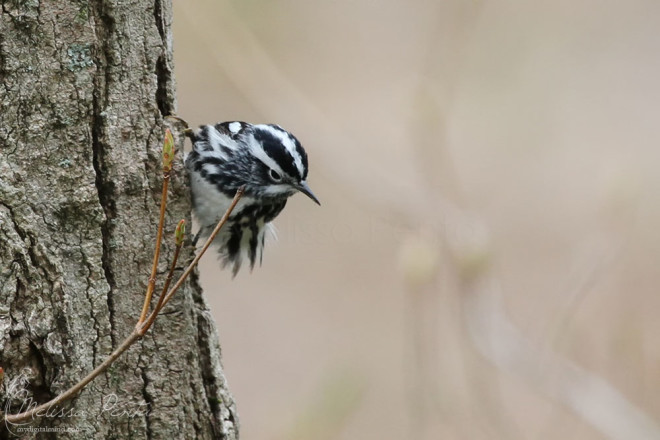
288,142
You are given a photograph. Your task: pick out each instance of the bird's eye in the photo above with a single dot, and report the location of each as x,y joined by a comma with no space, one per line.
275,175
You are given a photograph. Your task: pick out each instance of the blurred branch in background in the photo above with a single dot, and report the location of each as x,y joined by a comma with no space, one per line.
560,380
493,335
446,257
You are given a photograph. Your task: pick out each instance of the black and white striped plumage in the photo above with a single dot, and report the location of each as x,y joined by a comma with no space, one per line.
267,160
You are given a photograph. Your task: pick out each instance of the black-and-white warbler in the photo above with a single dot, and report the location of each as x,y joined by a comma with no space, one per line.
267,160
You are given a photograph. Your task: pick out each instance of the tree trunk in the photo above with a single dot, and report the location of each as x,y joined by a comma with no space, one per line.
84,86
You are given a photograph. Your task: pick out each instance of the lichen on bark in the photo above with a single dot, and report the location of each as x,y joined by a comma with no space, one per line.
84,87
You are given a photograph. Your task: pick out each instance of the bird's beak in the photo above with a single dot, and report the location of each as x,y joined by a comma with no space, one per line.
305,189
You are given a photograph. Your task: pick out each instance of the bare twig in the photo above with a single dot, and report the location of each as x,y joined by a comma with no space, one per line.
168,156
166,298
142,325
71,392
130,340
208,242
179,234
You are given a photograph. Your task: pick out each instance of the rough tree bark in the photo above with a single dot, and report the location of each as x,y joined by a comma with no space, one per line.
84,86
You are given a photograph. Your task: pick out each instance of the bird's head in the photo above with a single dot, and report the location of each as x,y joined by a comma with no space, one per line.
279,163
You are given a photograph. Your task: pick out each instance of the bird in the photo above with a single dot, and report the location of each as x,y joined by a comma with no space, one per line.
266,160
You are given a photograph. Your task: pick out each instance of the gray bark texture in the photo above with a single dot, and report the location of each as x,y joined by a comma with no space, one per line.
84,86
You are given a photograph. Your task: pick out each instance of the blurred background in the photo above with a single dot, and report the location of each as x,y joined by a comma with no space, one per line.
484,264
